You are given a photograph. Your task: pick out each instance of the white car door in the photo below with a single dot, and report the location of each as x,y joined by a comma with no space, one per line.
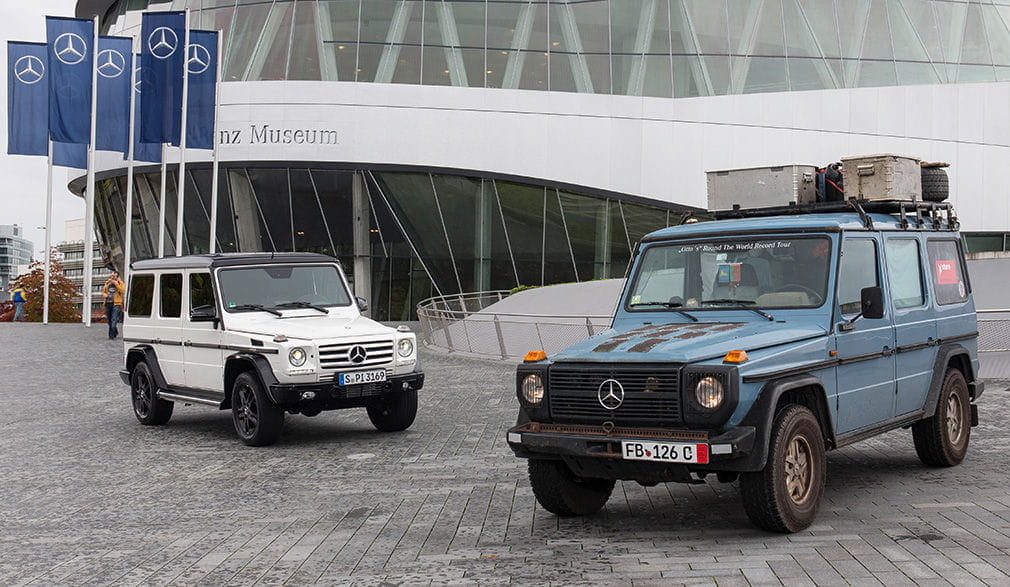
201,339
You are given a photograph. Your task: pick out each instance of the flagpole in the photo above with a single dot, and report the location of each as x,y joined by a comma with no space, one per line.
128,222
182,141
89,199
215,168
161,204
49,228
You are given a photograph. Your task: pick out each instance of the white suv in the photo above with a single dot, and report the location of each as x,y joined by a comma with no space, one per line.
262,334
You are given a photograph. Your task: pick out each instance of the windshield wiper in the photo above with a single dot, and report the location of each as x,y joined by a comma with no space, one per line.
255,307
301,305
668,305
740,305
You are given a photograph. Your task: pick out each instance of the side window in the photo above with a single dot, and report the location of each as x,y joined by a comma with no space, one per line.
858,269
171,295
904,268
201,290
949,281
141,296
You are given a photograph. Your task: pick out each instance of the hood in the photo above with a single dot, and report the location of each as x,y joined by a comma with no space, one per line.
307,327
684,342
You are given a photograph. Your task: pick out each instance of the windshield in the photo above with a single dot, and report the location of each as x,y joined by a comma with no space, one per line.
277,286
786,272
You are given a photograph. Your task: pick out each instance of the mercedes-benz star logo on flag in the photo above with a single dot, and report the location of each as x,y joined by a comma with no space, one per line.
611,394
111,64
357,354
70,48
29,70
162,42
199,59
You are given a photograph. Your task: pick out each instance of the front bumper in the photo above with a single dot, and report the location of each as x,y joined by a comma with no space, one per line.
333,395
594,451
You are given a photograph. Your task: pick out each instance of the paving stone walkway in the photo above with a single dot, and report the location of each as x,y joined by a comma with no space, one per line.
89,496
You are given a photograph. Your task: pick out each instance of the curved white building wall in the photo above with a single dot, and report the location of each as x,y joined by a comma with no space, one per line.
655,148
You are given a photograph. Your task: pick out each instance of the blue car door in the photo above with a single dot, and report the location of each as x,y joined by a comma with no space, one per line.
865,374
914,324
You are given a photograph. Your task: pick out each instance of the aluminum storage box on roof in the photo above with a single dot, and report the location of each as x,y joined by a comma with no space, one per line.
755,187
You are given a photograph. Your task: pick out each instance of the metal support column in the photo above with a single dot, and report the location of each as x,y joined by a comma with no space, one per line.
362,242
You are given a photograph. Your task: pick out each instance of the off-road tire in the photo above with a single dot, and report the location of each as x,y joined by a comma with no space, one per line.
942,440
258,421
149,409
395,414
560,492
784,497
935,184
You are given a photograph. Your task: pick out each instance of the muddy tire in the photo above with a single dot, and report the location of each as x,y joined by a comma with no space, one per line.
562,493
942,440
149,409
785,496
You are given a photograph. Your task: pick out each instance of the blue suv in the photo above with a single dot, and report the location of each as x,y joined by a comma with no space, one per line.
748,346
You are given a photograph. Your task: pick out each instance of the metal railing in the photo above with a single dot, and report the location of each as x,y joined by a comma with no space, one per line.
994,333
458,324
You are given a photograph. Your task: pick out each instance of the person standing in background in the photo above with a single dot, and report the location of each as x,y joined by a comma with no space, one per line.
113,292
19,298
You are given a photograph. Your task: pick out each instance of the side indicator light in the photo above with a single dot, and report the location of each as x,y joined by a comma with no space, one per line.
735,357
534,356
832,353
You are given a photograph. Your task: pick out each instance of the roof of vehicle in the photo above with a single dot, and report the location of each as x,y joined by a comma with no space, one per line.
807,219
229,260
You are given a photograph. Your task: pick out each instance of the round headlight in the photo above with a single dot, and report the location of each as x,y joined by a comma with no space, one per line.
709,393
405,348
533,389
297,356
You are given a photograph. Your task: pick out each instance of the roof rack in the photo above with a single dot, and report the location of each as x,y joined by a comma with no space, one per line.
911,214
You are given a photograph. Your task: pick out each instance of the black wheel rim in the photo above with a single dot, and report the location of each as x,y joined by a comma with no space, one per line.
143,396
246,411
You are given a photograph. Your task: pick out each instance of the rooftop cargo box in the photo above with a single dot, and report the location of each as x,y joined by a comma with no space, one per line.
882,177
758,187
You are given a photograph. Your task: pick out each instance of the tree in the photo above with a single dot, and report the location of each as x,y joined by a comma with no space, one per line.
62,292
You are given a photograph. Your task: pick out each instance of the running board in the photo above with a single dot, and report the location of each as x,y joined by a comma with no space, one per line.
178,397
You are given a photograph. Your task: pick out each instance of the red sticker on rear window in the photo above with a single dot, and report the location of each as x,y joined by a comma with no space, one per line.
946,273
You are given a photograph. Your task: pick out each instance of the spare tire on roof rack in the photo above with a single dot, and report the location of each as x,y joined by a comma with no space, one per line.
935,185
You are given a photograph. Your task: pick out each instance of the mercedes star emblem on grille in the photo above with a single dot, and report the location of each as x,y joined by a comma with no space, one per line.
357,355
611,394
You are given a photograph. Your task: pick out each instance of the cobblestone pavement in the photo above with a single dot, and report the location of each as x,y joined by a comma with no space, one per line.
89,496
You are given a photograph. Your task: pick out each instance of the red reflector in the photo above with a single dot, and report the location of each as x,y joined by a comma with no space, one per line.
702,451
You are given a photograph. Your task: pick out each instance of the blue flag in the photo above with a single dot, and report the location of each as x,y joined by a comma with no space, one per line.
162,35
113,128
150,152
70,155
71,58
27,99
201,59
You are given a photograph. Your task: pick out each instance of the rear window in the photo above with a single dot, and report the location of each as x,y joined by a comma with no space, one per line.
171,295
141,295
949,279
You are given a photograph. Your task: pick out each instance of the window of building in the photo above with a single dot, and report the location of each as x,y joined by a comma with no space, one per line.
858,269
141,295
171,295
950,280
904,268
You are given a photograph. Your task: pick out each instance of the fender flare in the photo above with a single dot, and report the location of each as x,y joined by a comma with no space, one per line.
944,357
257,363
146,353
762,414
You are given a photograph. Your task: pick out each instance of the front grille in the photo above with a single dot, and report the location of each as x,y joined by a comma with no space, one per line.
335,356
651,394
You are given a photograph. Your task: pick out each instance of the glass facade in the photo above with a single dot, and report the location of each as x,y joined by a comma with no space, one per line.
665,48
427,234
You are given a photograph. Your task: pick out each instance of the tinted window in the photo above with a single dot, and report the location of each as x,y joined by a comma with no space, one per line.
904,268
949,280
858,269
141,295
201,290
171,295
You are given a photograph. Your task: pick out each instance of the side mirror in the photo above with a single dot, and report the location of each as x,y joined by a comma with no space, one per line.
203,314
362,304
872,299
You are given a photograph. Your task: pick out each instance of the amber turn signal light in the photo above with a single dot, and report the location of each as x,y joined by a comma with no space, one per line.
735,357
534,356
